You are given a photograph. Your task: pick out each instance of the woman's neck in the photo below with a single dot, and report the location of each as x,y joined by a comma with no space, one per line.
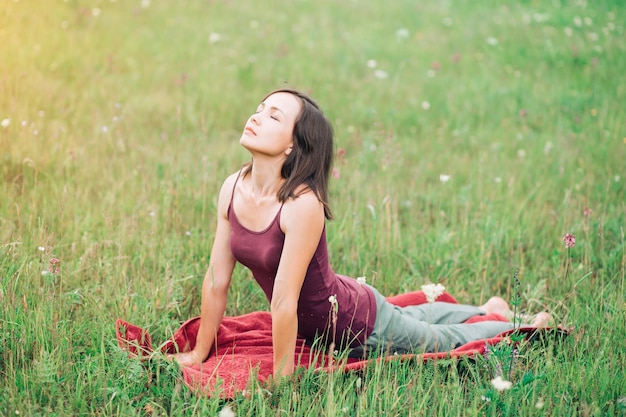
265,180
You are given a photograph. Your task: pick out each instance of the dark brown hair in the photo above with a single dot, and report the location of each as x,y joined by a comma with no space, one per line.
311,159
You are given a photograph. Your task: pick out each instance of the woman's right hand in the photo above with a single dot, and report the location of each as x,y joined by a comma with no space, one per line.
190,358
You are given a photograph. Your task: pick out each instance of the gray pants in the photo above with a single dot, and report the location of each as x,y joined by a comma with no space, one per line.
430,327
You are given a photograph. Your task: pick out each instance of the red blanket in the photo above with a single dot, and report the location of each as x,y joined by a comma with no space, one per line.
244,344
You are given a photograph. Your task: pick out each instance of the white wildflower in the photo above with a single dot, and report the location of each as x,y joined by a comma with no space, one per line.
371,63
501,384
214,37
5,123
425,105
444,177
539,403
485,398
332,299
381,74
547,148
402,33
95,12
492,41
145,4
360,280
41,249
432,291
227,412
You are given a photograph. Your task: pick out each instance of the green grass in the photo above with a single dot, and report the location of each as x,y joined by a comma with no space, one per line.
121,121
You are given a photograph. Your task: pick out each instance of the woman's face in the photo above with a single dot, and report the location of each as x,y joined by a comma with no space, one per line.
269,131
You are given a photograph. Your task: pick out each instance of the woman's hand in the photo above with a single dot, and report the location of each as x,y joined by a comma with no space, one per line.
187,358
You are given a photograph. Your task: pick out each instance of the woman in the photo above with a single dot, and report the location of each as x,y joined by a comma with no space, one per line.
271,218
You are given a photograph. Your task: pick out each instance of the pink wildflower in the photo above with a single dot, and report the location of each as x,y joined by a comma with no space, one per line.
569,240
587,212
55,265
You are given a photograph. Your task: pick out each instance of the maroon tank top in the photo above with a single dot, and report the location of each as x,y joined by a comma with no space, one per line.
261,251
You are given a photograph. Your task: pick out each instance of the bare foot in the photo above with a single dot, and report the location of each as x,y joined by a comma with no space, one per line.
541,320
497,305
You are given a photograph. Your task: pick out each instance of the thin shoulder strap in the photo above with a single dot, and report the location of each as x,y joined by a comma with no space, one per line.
232,194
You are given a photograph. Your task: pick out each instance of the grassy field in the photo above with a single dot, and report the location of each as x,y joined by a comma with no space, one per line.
473,136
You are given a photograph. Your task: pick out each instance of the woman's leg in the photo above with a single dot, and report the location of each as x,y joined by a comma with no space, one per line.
432,327
427,327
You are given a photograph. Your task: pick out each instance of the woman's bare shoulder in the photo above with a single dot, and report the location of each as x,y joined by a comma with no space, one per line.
306,207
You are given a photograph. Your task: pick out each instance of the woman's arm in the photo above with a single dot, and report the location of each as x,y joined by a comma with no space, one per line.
302,221
216,283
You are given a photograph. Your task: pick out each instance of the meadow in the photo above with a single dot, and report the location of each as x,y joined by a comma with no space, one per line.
471,137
